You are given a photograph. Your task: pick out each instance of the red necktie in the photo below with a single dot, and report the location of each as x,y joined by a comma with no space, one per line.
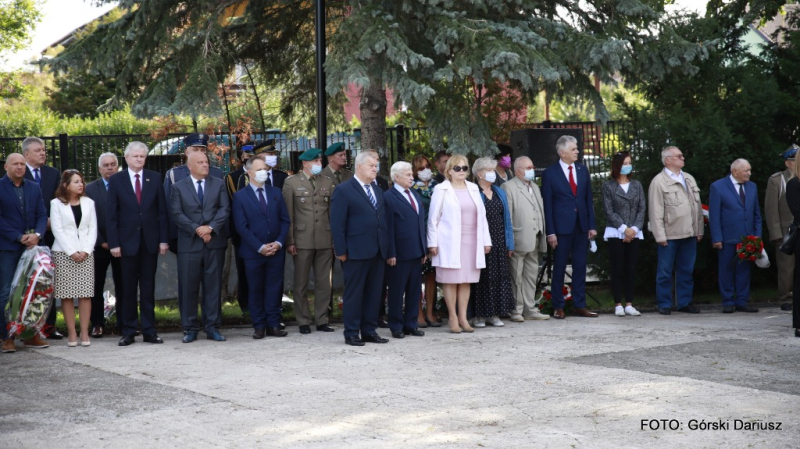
572,184
138,190
413,204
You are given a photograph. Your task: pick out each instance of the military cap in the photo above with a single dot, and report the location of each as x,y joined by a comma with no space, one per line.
248,148
196,140
310,154
790,153
267,146
335,148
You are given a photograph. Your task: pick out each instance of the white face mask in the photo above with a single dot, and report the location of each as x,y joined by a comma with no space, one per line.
316,169
490,176
272,161
530,175
425,175
261,176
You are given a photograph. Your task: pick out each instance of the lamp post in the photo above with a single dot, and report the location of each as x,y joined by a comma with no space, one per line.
322,108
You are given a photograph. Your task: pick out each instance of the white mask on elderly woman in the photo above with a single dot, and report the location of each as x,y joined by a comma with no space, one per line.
490,176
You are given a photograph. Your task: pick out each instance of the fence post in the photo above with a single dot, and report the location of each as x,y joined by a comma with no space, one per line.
401,142
63,151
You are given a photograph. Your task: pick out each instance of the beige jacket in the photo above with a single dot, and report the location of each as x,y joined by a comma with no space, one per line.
527,216
776,209
674,213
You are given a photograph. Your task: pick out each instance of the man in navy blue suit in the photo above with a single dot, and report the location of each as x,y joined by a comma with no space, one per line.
358,228
569,223
23,221
405,220
262,221
137,231
733,212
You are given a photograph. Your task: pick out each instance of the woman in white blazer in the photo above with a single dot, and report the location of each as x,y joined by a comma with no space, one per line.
458,238
74,225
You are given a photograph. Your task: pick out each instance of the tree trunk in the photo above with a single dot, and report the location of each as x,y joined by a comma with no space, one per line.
373,120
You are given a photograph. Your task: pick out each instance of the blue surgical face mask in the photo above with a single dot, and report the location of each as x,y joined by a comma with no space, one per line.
316,169
626,169
530,175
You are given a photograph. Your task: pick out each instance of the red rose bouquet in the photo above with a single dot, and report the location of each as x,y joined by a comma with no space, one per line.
752,248
545,300
31,293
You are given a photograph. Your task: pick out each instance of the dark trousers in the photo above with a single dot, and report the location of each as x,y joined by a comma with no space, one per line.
102,259
405,282
795,292
362,297
138,281
623,267
242,290
573,246
265,275
8,266
734,276
196,269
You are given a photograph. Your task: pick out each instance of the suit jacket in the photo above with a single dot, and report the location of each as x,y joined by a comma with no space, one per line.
128,221
188,213
175,175
444,226
50,178
776,209
407,229
527,215
357,228
253,226
382,183
309,210
561,208
624,208
14,221
728,219
96,190
70,238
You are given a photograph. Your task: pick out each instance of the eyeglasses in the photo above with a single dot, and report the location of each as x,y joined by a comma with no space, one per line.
458,168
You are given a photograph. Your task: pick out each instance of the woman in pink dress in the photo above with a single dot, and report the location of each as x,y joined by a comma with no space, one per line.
458,239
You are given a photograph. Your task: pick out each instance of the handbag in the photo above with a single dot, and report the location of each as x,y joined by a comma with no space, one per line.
787,247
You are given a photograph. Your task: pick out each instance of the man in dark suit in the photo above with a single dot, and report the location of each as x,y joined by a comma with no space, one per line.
734,212
358,228
235,181
569,224
405,221
199,207
98,191
268,152
47,178
21,210
262,221
137,233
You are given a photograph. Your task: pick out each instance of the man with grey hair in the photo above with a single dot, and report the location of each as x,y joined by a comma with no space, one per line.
360,241
97,190
527,215
137,233
733,212
676,221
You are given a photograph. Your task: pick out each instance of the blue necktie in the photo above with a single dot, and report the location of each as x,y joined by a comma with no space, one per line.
200,191
371,198
262,200
36,176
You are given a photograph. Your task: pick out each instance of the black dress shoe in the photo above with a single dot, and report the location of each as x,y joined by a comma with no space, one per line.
354,341
258,334
190,337
216,336
746,308
797,333
382,323
398,334
374,338
786,306
414,332
276,332
282,326
728,309
689,309
154,338
126,340
305,329
325,328
665,311
55,335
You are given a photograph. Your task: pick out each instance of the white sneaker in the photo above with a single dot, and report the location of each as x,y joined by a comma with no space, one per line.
619,311
478,322
631,311
495,321
537,315
517,318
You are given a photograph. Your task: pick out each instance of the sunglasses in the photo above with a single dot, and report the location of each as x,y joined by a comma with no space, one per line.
459,168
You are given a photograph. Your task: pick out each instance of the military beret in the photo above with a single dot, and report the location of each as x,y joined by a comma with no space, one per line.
790,152
267,146
310,154
335,148
196,140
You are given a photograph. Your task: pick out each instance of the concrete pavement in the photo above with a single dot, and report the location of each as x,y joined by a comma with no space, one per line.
576,383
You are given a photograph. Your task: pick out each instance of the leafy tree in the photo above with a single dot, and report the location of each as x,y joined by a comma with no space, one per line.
17,19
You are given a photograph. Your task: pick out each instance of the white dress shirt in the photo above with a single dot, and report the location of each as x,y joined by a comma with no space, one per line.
565,169
679,177
364,186
736,185
133,174
202,183
403,193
